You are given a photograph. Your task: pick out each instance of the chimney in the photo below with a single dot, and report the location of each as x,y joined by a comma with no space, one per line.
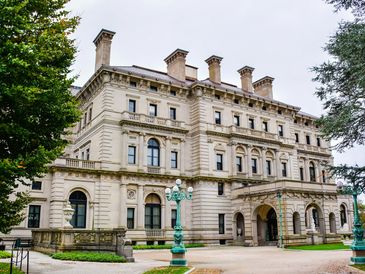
246,78
103,42
191,72
263,87
214,68
176,64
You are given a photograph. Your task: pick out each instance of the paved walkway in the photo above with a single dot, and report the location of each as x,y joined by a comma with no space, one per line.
246,260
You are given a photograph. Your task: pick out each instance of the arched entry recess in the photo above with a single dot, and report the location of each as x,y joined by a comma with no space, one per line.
238,228
265,225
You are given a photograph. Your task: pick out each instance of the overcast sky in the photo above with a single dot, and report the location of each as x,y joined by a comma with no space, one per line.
281,38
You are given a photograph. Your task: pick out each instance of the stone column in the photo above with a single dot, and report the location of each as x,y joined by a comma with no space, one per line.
123,204
168,155
289,164
277,164
319,170
306,169
182,157
141,150
249,156
124,149
140,208
264,171
57,204
233,159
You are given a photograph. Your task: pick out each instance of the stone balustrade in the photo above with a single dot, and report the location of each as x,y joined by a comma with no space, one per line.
159,121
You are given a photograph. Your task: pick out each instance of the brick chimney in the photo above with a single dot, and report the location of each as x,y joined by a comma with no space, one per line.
103,42
176,64
246,78
214,66
263,87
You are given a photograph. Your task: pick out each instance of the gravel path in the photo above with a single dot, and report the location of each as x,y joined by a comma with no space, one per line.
240,260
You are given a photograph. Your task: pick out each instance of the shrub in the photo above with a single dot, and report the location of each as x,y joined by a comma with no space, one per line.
5,267
4,255
89,256
168,270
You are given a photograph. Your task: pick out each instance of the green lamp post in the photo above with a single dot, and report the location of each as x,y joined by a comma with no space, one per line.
358,244
178,249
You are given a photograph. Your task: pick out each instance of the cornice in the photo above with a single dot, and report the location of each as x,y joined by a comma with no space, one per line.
146,125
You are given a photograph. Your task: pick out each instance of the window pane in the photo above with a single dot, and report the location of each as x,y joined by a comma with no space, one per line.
132,106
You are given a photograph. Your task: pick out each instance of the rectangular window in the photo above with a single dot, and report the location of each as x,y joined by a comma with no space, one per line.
254,165
236,101
133,83
90,114
251,123
239,163
236,120
268,167
221,223
265,126
173,217
283,169
220,188
217,117
173,113
217,97
131,155
281,130
130,218
88,154
173,92
36,185
34,216
308,139
297,137
301,171
318,142
323,176
82,155
132,105
153,110
219,158
85,119
173,159
153,88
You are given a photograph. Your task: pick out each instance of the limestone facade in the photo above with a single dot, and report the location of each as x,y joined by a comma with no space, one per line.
236,146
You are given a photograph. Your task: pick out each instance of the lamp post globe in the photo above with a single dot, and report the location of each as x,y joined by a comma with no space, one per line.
178,182
167,191
190,189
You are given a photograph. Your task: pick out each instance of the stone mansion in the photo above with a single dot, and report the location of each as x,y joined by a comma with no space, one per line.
257,165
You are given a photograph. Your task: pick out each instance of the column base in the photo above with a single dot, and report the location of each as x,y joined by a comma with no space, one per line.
358,254
178,257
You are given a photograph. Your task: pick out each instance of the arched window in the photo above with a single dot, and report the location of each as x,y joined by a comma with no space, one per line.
332,220
296,223
312,172
78,202
343,215
153,153
152,211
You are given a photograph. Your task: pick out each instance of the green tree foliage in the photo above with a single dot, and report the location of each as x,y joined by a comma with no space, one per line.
36,105
342,88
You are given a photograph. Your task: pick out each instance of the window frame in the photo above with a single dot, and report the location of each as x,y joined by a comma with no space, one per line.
35,221
251,123
254,168
220,189
130,220
239,163
236,120
217,117
265,126
221,223
219,161
153,153
36,185
268,167
132,105
284,169
281,130
175,161
152,110
134,148
172,113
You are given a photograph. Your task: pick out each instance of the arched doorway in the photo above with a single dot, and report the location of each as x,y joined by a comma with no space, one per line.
266,225
332,220
343,215
296,223
239,228
152,212
78,202
314,220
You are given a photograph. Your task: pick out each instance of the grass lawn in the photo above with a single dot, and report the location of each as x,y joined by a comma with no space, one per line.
5,268
89,256
359,266
5,254
138,247
333,246
168,270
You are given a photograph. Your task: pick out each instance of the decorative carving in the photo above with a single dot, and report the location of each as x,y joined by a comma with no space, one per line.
84,237
131,194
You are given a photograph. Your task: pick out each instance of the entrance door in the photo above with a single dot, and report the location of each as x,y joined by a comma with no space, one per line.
272,226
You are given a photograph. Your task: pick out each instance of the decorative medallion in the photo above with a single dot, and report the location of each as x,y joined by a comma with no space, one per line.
131,194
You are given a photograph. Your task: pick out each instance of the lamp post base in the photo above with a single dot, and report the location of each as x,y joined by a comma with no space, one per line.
358,253
178,257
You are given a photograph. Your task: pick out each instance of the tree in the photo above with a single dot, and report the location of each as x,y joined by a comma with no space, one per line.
36,105
342,88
